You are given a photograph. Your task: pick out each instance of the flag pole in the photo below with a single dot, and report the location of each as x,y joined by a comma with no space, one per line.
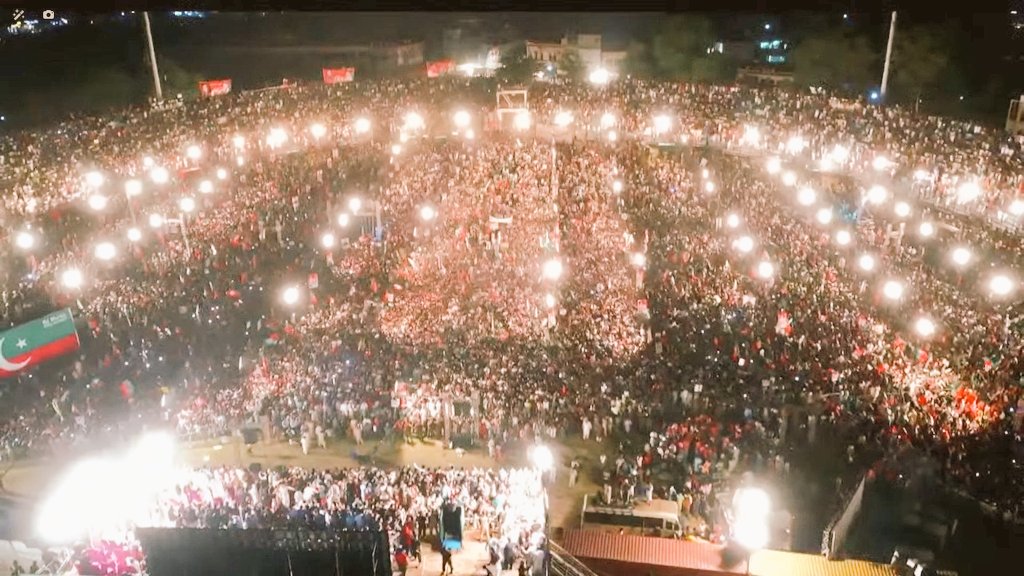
888,55
152,57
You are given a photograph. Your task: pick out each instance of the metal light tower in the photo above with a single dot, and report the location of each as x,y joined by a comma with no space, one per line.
888,56
152,57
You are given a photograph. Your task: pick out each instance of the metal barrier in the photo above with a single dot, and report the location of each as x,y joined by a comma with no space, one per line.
565,564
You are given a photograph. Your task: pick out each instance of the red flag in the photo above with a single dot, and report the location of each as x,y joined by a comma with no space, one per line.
314,280
439,68
338,75
215,87
783,326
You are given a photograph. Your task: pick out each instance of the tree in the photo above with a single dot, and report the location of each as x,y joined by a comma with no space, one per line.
834,60
571,65
177,80
679,44
920,60
516,66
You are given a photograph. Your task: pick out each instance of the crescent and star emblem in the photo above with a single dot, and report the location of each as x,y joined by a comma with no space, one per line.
8,366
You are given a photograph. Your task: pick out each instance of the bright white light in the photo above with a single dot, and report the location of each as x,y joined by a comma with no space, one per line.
600,77
396,149
277,137
542,458
961,256
824,215
362,125
318,130
709,186
354,204
927,229
751,135
902,209
222,174
924,327
147,162
414,121
553,269
105,251
71,278
97,202
774,166
765,269
25,240
156,220
343,219
744,244
613,135
617,186
880,163
133,187
290,296
806,196
134,235
94,179
866,262
427,213
843,237
826,164
238,141
1017,207
240,161
328,240
751,508
187,205
662,123
159,175
796,144
968,192
789,178
732,221
839,154
563,119
461,119
877,194
1000,285
639,259
522,121
922,174
206,187
470,134
549,300
892,289
194,152
607,120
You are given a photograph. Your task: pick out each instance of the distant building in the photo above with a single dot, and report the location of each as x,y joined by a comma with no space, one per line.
590,47
475,50
764,75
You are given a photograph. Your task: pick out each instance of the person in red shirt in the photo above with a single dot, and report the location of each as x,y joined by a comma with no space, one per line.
402,560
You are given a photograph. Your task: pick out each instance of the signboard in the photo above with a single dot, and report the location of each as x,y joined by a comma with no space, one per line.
214,87
37,341
439,68
338,75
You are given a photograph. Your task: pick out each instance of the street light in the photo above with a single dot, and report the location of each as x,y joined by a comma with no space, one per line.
318,130
105,251
194,152
156,220
563,119
806,196
893,289
97,202
843,237
765,269
132,188
600,77
744,244
187,205
290,296
824,215
866,262
94,179
159,175
461,119
25,240
542,458
427,213
328,240
877,194
206,187
354,204
961,256
924,327
134,235
927,229
343,219
553,269
902,209
1000,285
362,125
71,278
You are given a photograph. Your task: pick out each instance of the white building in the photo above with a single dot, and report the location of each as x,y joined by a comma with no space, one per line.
590,48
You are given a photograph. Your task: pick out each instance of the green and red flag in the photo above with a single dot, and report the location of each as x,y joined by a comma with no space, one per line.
37,341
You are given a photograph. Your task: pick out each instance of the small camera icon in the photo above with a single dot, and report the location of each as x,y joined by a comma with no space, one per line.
47,14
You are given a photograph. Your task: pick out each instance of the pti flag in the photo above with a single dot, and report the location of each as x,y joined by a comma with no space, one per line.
215,87
337,75
37,341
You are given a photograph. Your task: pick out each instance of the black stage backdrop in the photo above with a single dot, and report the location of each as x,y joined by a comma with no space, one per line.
288,552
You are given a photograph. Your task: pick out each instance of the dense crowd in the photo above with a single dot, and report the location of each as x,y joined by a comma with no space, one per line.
677,304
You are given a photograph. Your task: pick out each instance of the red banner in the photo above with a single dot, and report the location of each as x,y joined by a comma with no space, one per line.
337,75
215,87
439,68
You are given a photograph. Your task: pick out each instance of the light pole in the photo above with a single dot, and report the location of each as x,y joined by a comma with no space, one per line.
888,56
152,57
544,463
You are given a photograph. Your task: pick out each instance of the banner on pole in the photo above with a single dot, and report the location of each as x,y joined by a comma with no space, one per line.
215,87
439,68
338,75
37,341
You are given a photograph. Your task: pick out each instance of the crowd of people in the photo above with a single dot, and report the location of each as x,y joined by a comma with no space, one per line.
684,306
